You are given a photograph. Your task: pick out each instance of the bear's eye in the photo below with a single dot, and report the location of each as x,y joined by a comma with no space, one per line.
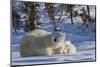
55,39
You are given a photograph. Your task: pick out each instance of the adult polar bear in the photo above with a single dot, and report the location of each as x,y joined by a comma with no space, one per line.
43,43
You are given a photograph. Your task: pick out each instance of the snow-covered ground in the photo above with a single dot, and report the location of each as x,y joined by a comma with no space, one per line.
83,40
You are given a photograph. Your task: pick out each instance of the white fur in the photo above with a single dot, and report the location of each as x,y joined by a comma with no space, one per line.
69,48
40,42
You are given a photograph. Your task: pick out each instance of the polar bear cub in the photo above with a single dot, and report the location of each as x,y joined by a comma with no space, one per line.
69,49
42,43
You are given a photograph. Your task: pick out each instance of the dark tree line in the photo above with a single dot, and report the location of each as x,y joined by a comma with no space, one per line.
15,18
33,15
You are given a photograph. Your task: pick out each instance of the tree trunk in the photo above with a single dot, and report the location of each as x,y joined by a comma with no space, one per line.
60,16
51,12
14,27
71,14
31,7
95,14
89,19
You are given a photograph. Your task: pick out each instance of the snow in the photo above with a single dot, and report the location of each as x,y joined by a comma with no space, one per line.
83,40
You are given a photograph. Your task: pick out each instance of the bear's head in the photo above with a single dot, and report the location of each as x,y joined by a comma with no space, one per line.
58,38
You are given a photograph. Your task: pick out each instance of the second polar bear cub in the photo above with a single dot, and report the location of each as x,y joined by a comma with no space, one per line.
41,43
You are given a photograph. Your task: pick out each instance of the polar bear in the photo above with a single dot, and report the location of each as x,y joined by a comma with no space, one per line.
69,48
42,43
